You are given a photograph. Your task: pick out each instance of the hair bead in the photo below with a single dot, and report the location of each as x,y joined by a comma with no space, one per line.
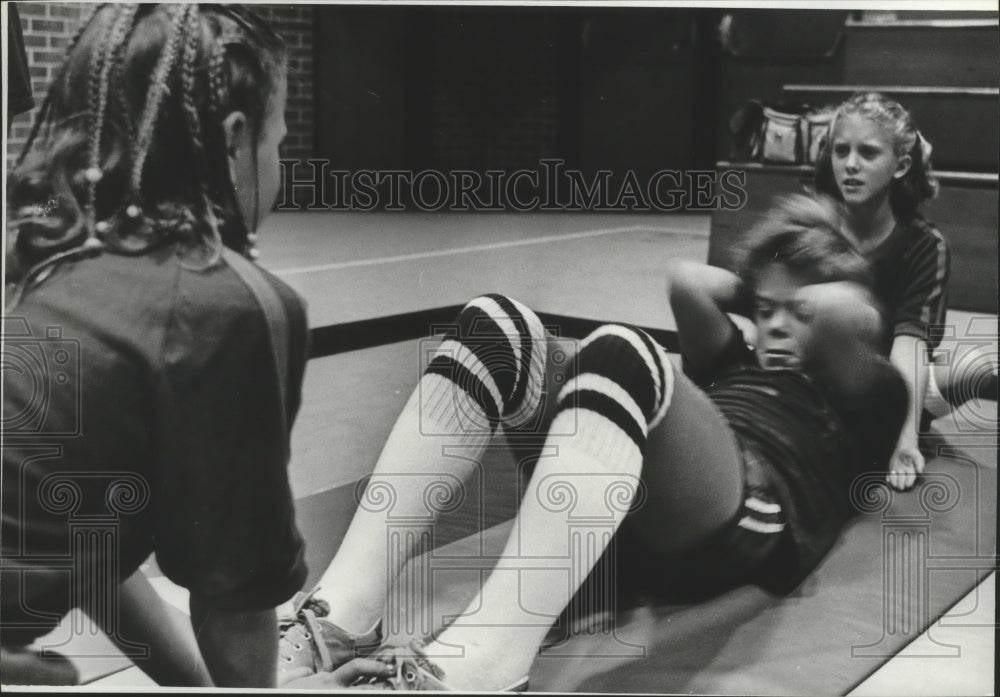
133,75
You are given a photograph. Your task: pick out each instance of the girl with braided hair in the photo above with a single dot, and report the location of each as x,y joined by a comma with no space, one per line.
878,164
156,370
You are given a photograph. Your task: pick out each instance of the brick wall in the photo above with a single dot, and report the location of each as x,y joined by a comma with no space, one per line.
496,108
296,24
48,27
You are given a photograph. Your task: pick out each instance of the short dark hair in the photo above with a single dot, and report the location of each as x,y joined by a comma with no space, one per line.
802,233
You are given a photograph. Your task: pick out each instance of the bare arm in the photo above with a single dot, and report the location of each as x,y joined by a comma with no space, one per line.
240,648
145,619
907,462
700,296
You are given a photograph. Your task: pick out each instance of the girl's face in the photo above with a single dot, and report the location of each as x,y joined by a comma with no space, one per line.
783,330
864,161
254,166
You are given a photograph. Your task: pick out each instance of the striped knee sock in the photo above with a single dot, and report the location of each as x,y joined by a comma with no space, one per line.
621,387
489,370
621,390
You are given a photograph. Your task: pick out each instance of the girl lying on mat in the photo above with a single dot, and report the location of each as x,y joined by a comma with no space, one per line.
739,471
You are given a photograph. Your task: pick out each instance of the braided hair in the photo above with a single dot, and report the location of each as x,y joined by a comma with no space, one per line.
141,95
913,188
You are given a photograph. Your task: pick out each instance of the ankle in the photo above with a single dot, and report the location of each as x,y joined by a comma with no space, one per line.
354,618
475,667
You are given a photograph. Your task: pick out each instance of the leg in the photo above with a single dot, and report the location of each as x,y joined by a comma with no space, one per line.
490,372
580,491
144,619
21,666
693,474
969,374
20,628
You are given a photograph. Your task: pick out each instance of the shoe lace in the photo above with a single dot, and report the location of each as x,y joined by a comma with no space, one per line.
303,624
413,670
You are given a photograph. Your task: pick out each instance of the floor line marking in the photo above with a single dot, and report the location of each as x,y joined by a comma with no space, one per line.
294,271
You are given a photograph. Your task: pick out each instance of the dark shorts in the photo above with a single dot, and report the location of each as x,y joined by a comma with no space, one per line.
752,548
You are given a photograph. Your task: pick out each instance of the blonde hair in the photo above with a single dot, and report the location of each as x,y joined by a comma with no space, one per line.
909,191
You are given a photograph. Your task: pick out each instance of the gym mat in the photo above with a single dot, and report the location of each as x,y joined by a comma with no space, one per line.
898,566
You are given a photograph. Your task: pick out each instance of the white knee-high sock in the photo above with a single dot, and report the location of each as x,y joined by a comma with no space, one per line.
489,370
580,491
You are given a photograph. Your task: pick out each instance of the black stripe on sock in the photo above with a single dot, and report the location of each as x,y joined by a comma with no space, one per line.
447,367
618,360
660,368
527,346
609,408
481,334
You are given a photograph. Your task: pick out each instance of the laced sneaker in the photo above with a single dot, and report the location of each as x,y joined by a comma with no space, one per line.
308,644
415,672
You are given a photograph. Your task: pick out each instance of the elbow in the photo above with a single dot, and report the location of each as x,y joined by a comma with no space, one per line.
682,279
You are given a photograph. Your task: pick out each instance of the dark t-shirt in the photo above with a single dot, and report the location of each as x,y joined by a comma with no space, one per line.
911,271
812,442
142,414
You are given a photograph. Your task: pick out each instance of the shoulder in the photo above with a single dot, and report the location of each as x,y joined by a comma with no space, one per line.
295,304
918,249
216,309
221,293
922,234
114,301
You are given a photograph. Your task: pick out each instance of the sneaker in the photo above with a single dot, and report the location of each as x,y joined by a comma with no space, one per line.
416,673
307,641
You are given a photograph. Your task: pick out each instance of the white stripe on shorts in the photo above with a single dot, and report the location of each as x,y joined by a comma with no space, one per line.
755,504
757,526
